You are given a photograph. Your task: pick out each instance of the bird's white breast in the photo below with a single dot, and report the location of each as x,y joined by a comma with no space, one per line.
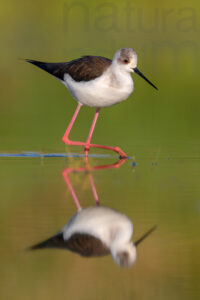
106,90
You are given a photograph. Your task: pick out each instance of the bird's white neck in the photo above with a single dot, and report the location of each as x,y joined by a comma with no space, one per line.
119,75
120,238
124,254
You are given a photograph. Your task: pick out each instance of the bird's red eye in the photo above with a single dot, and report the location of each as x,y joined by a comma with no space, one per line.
125,61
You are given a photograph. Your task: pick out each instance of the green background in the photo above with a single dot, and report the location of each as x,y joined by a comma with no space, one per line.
36,108
160,128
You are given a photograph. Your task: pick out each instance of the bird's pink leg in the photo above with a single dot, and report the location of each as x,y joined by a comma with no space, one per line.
121,153
87,147
67,132
67,141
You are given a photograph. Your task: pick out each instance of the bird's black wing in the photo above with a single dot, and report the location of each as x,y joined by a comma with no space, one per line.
85,68
81,243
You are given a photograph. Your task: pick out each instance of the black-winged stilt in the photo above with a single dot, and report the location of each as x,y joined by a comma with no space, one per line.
97,82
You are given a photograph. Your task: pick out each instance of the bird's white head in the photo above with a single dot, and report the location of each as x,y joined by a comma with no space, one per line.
126,59
125,255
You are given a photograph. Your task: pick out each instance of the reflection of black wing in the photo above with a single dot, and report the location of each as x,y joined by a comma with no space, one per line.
82,69
84,244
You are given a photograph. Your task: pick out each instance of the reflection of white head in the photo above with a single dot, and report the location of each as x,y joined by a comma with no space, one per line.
126,59
125,255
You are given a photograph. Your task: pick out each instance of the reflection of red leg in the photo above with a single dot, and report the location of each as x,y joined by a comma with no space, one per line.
114,166
66,178
87,147
87,167
94,191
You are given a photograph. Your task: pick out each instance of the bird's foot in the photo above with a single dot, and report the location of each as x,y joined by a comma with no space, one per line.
65,140
121,153
87,146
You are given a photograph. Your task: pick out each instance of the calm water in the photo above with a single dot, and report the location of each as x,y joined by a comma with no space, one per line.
160,189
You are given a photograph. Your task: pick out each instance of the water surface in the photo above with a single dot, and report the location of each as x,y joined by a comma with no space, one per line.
36,203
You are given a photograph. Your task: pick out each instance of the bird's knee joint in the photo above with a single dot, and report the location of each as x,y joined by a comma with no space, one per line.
87,148
66,140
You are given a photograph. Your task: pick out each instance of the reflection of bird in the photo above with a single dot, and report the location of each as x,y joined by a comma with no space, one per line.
97,82
97,231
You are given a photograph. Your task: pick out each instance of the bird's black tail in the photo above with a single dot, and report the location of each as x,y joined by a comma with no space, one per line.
51,68
56,241
39,64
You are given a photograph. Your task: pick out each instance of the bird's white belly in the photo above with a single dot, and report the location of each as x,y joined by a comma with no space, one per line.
101,222
98,92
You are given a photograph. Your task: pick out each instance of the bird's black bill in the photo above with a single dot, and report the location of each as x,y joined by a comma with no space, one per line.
141,75
144,236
